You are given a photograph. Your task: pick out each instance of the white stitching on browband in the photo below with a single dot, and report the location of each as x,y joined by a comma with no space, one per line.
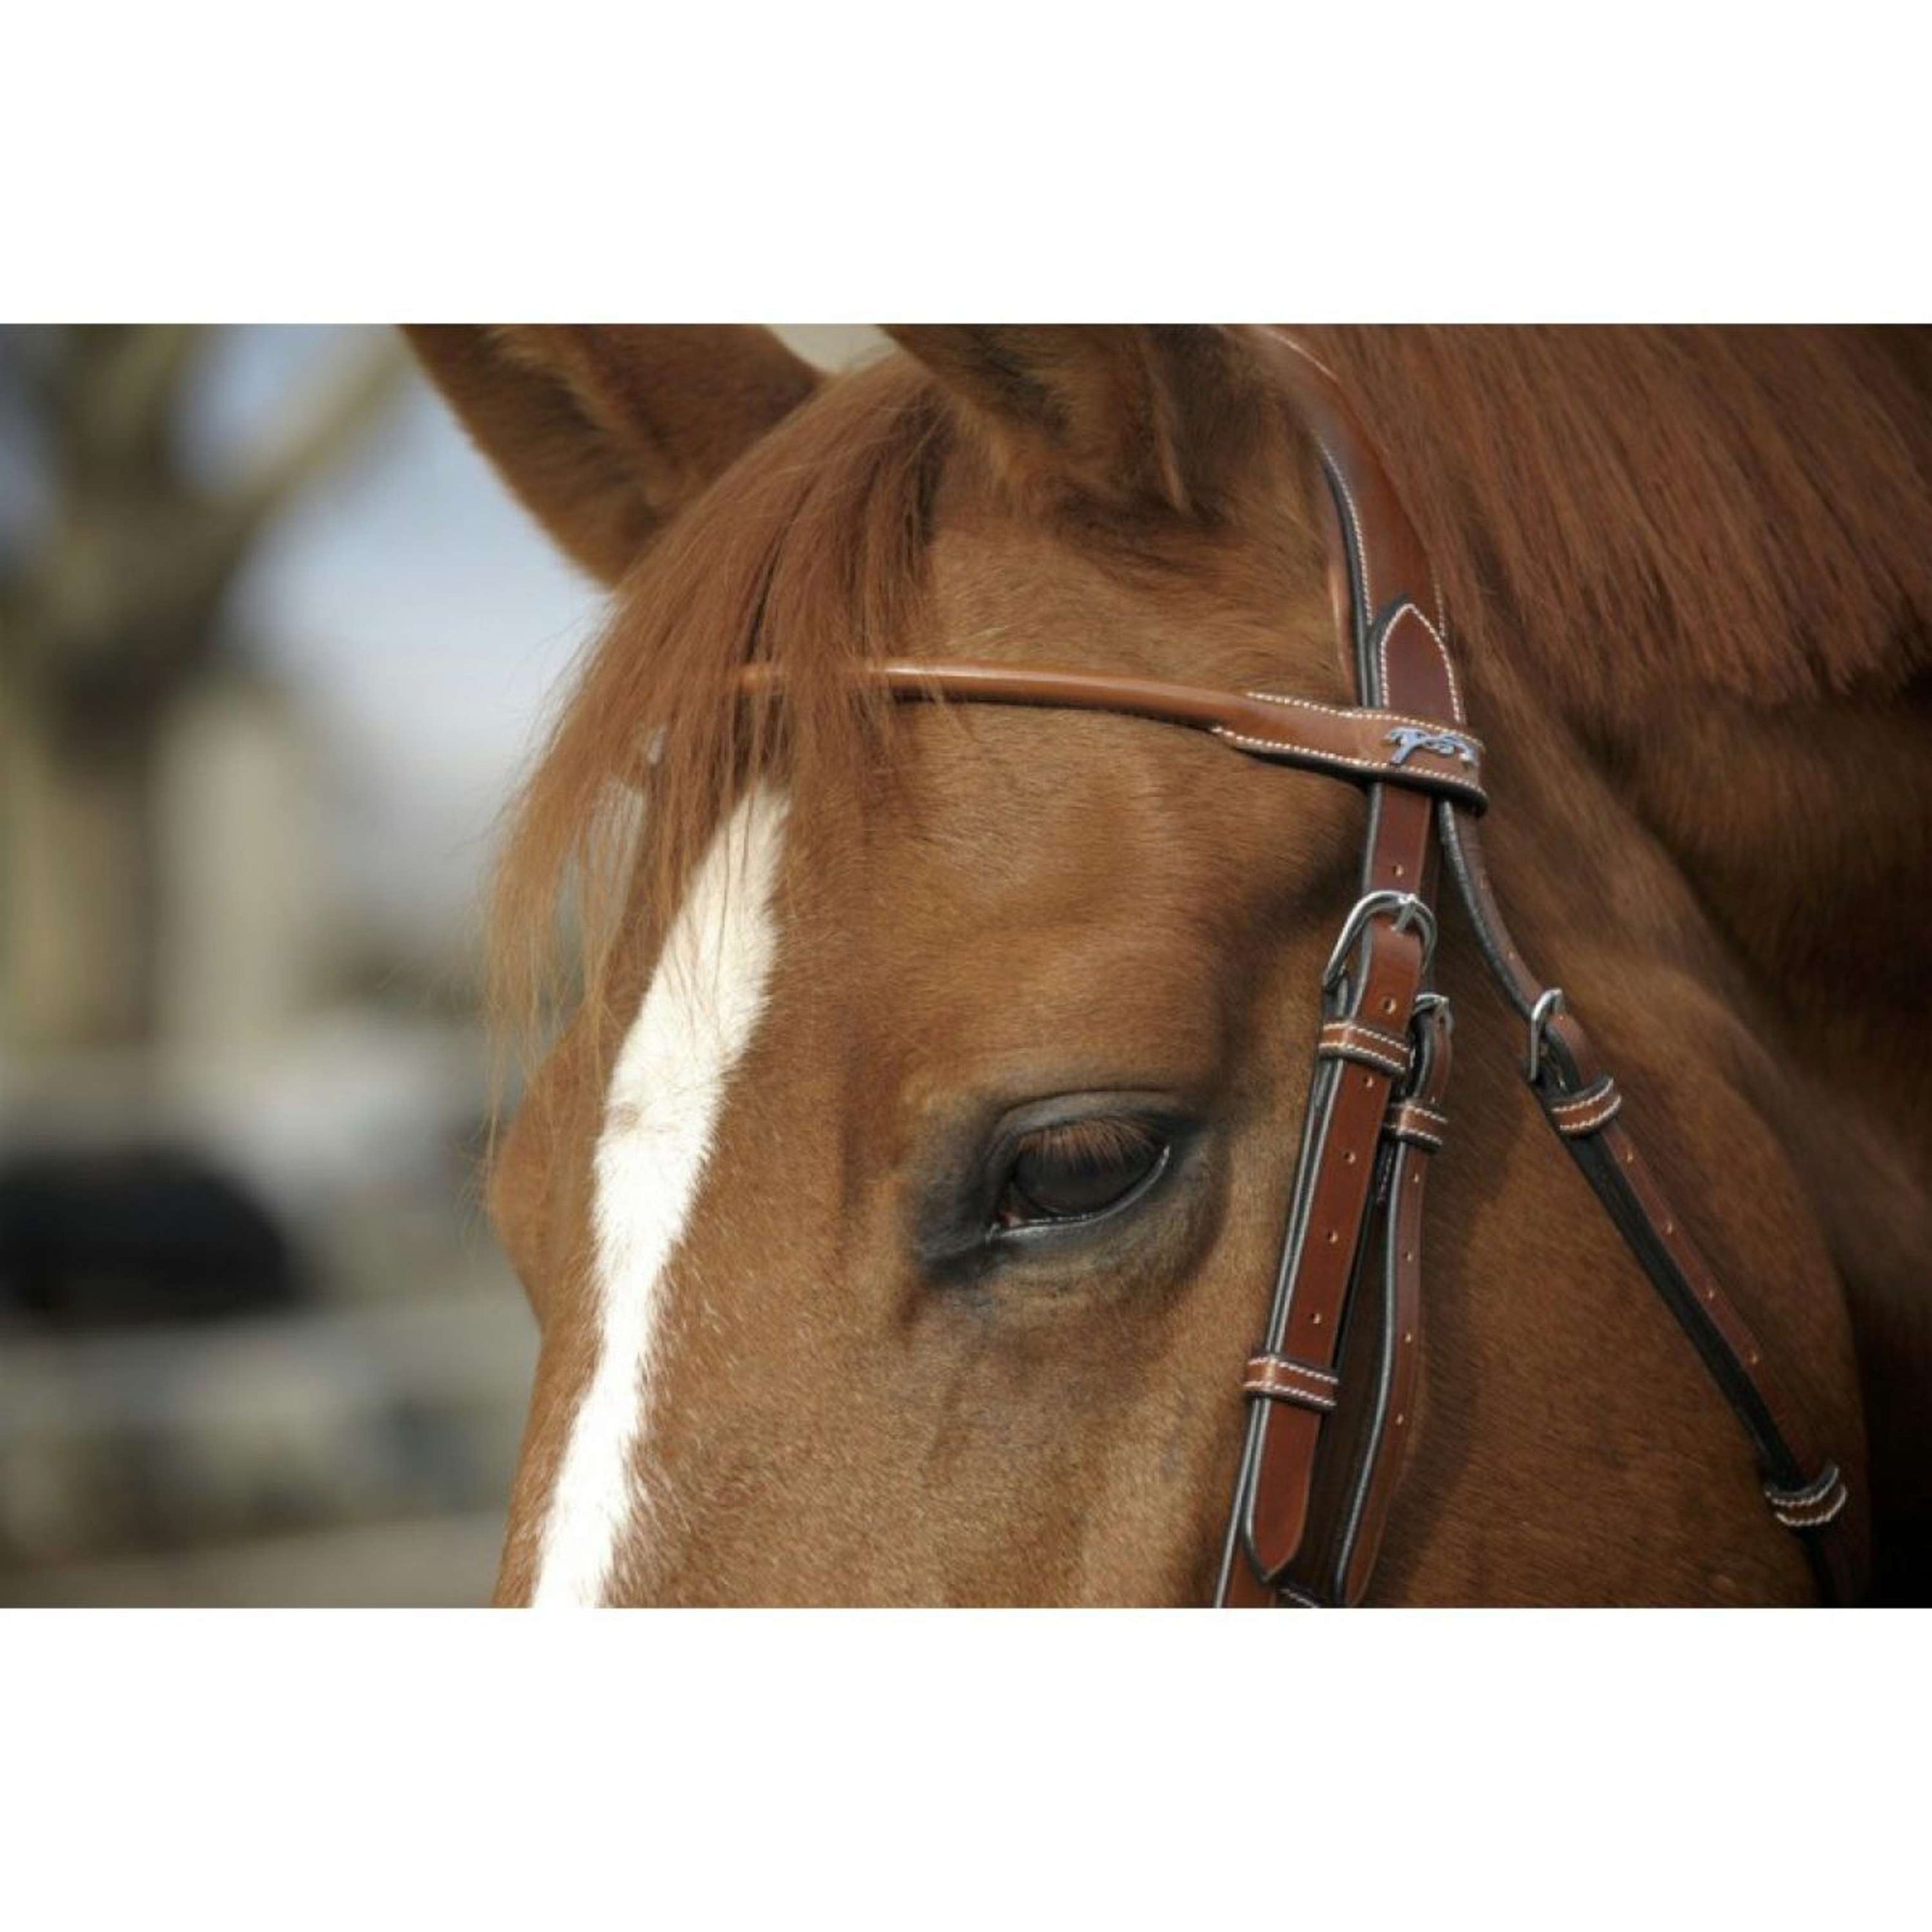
1386,766
1379,712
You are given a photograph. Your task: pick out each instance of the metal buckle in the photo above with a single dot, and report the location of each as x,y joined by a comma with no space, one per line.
1550,1000
1420,1044
1409,911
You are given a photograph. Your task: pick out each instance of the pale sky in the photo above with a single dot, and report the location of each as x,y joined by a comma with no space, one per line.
419,617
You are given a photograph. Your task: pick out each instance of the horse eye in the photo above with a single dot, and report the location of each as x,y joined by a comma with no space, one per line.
1075,1171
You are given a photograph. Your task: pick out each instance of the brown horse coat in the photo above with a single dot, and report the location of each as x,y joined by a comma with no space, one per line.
1688,581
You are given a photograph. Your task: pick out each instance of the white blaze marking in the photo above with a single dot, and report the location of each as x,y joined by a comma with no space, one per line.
661,1113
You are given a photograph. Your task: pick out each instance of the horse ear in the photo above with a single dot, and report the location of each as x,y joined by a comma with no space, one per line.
606,432
1134,416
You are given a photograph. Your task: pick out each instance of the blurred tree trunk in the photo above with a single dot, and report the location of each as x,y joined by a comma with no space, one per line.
107,618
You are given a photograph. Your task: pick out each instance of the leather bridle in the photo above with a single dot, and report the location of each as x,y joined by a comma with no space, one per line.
1330,1392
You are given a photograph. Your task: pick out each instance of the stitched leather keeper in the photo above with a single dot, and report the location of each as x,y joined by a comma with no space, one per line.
1811,1506
1421,1126
1587,1113
1281,1379
1367,1046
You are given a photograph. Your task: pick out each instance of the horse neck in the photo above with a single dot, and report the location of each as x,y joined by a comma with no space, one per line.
1807,832
1806,836
1565,1406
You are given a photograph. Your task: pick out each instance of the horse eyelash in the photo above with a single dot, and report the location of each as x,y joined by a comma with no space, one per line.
1093,1143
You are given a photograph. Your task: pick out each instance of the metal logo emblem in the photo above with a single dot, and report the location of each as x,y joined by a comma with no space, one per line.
1409,738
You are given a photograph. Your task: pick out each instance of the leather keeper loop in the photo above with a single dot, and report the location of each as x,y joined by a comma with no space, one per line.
1281,1379
1420,1126
1587,1113
1367,1046
1813,1505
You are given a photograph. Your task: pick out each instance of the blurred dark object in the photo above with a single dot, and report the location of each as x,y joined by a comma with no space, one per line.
101,1239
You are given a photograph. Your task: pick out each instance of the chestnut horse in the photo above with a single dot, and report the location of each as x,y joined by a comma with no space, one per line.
901,1189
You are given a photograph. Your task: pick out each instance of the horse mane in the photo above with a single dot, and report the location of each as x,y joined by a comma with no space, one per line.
807,555
1617,512
1623,511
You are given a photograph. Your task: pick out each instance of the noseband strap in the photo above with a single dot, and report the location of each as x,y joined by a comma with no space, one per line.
1330,1393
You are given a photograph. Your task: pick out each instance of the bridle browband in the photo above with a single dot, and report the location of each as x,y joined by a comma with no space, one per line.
1330,1392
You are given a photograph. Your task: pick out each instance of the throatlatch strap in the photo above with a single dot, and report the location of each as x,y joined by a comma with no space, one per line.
1584,1105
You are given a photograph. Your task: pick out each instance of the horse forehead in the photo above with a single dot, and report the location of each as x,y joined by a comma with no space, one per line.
1087,901
1011,588
655,1143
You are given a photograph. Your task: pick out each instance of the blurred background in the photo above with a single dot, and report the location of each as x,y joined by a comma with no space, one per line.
274,646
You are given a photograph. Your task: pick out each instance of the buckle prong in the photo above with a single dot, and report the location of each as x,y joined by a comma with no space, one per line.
1409,911
1550,1000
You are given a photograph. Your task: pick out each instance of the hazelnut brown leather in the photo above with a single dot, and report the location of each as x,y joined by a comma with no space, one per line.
1330,1391
1350,742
